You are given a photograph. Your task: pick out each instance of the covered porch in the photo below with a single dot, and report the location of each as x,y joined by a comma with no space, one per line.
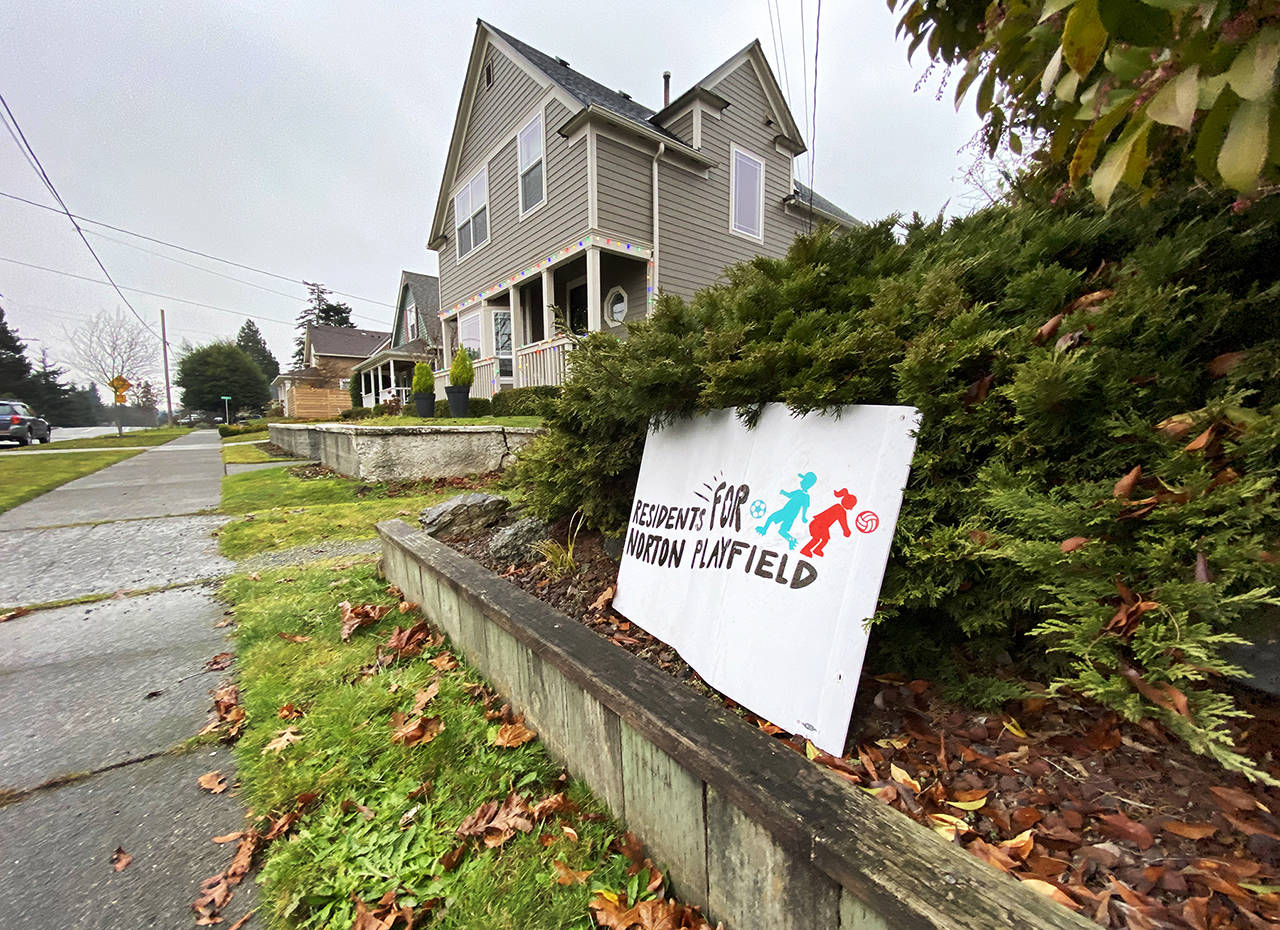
384,375
519,332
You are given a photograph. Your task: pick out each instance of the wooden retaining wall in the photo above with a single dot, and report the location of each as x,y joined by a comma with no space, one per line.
754,833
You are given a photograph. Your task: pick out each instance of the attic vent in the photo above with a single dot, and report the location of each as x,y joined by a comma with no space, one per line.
488,75
562,63
624,95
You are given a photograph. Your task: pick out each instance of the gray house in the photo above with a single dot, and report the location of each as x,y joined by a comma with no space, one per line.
559,192
415,337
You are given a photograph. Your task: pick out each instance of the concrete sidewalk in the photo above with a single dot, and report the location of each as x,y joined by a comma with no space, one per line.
96,698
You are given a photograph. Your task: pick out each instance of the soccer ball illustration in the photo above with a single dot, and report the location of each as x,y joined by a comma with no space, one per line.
758,508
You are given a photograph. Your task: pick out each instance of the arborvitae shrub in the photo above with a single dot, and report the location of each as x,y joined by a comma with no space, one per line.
1047,349
526,401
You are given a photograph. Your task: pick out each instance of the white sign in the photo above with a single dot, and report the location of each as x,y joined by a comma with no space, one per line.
758,554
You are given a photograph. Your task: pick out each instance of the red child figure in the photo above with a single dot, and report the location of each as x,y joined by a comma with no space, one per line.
820,526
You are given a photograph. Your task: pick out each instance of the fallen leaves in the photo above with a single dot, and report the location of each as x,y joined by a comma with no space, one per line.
494,824
511,735
426,696
353,618
444,662
282,739
229,716
349,805
611,910
386,913
120,859
294,638
415,731
213,782
216,891
567,876
1123,489
1074,543
219,662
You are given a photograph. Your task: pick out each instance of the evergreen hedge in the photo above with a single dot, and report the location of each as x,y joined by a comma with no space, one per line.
533,401
1053,352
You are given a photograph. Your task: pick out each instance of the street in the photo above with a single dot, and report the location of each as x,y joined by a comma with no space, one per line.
98,698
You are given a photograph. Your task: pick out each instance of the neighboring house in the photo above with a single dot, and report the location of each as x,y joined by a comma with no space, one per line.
415,337
321,388
559,192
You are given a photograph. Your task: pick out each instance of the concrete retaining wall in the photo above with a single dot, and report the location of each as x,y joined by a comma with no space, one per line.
385,453
757,835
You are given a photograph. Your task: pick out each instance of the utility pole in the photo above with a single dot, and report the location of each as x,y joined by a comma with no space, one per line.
164,346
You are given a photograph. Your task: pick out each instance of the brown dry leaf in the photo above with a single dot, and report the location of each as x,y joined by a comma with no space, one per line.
408,606
611,911
1222,365
425,696
976,392
1020,846
1124,487
552,805
229,837
1074,543
1200,441
1050,890
567,876
570,834
294,638
511,735
282,825
409,816
417,731
239,924
363,615
212,782
1234,799
289,712
449,861
903,778
444,662
1123,827
282,739
219,662
496,824
421,792
120,859
1048,330
348,805
605,598
1192,831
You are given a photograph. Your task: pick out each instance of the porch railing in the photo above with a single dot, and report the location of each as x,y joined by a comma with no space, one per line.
403,393
486,382
544,362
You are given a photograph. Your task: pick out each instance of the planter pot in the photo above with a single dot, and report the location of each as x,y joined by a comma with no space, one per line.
426,404
458,399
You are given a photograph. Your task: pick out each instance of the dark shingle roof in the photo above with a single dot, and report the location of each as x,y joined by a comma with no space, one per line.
581,87
344,341
426,301
815,200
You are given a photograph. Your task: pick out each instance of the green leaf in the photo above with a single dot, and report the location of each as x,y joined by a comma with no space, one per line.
1244,151
1125,161
1126,62
1135,22
1175,103
1083,37
1252,74
1054,6
1211,133
1066,89
1051,72
1087,149
1210,90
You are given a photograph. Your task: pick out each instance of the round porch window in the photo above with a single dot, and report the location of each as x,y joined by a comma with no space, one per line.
615,305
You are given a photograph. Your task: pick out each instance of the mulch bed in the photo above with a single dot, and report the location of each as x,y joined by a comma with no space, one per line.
1118,821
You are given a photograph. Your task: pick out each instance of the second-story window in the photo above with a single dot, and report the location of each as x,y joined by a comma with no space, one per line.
747,183
532,189
471,213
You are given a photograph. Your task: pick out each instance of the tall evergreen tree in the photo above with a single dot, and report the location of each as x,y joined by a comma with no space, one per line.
15,368
250,340
320,311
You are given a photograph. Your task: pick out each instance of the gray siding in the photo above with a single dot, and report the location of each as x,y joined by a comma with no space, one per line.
624,195
516,243
632,276
495,110
682,128
696,244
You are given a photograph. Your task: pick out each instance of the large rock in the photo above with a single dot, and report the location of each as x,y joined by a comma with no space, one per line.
463,515
513,543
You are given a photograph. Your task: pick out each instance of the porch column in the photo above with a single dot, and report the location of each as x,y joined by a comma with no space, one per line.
548,301
595,317
517,332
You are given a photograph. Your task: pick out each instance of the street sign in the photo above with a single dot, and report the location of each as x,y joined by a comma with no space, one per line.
226,397
121,398
119,384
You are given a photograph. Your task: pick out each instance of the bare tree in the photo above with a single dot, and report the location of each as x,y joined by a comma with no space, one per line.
114,345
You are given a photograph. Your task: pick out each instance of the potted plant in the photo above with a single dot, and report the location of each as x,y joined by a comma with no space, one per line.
461,374
424,390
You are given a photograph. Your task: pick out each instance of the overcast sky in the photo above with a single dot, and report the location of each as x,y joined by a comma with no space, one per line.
308,139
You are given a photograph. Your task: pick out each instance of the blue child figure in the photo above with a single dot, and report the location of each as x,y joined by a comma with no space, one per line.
797,505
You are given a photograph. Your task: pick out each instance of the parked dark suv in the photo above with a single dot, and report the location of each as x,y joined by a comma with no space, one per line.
19,423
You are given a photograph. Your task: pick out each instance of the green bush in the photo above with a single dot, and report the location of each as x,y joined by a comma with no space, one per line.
424,379
239,429
356,413
462,372
356,394
1047,349
479,406
525,401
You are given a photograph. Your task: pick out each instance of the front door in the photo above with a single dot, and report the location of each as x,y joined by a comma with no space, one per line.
502,342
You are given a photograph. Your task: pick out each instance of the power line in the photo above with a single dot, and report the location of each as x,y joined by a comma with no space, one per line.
813,137
773,32
182,248
44,176
804,73
13,135
782,41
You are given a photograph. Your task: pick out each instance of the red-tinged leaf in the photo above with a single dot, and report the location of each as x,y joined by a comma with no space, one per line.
1191,831
567,876
1234,799
992,855
1124,487
1124,828
294,638
1050,890
219,662
1250,827
444,662
552,805
1020,846
289,712
422,792
363,615
1200,441
977,392
1223,364
605,598
511,735
120,859
416,731
348,805
212,782
1048,330
1074,543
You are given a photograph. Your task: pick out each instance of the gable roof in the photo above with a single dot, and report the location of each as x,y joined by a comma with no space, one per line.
344,341
822,207
425,289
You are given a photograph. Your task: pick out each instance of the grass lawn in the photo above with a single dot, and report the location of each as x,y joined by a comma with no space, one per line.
258,435
282,511
413,799
446,421
21,480
130,440
251,454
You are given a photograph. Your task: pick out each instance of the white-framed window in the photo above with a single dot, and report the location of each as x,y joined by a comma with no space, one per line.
469,333
531,165
344,384
408,319
615,306
471,213
746,186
